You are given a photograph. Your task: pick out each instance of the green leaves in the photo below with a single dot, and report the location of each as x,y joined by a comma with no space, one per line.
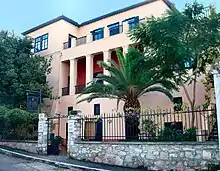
180,38
128,80
17,123
20,70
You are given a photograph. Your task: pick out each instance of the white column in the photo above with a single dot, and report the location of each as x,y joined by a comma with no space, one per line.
125,27
217,96
73,75
89,68
106,32
106,58
125,49
73,42
89,38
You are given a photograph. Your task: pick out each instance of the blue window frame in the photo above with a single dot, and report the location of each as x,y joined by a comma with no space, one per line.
41,43
114,29
98,34
133,22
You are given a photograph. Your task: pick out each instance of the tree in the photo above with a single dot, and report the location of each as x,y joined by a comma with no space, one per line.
125,82
20,70
180,42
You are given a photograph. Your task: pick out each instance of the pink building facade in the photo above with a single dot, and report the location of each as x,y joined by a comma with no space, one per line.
76,48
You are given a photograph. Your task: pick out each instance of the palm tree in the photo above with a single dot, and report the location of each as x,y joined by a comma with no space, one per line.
127,81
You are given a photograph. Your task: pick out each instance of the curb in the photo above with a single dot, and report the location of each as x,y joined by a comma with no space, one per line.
51,162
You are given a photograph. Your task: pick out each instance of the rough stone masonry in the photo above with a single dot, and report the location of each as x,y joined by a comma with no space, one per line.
154,156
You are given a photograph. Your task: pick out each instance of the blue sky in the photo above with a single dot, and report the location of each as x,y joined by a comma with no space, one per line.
21,15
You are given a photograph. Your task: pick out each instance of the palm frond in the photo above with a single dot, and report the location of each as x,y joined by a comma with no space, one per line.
159,89
134,76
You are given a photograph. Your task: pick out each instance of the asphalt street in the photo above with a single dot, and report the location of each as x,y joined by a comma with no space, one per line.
8,163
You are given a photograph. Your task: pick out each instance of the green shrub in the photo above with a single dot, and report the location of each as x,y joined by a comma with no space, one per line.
17,124
57,140
169,134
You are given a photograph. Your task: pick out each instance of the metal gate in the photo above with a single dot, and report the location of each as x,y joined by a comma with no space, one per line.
57,135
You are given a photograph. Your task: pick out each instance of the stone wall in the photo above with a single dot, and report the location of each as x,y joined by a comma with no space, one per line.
29,146
154,156
42,134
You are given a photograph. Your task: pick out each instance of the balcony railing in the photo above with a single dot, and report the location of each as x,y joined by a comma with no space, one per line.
65,91
79,88
66,45
80,41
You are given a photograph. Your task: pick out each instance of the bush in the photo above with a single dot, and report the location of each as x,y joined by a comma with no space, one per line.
57,140
169,134
17,124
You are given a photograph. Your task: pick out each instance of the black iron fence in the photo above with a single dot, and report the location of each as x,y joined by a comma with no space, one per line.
153,125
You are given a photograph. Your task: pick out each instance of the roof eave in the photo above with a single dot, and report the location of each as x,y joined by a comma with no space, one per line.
51,22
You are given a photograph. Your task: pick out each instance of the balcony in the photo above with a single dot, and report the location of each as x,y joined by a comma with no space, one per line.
81,41
113,38
65,91
66,45
79,88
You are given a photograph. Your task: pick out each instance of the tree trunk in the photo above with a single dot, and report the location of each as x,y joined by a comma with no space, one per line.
132,115
193,101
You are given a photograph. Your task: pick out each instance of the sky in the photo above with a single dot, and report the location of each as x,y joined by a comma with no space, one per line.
21,15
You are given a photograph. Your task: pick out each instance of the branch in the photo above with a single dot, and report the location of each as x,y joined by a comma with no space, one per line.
194,91
187,93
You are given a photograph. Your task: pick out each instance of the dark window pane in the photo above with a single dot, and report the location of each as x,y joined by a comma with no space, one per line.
41,43
96,109
114,29
133,22
70,109
98,34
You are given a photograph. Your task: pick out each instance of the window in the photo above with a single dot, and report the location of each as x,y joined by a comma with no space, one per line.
98,34
188,63
114,29
133,22
96,109
41,43
70,109
178,101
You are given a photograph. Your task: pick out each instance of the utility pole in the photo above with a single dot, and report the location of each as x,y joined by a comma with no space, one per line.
216,76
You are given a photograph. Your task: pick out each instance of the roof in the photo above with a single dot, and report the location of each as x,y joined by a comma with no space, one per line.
62,17
167,2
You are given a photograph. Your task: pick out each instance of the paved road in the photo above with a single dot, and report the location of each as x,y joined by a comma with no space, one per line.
8,163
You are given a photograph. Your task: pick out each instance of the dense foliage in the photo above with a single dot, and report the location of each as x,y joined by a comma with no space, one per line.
125,82
180,43
20,70
17,124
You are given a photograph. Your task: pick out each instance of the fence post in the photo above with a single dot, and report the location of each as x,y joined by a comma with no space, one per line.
42,134
74,129
216,75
